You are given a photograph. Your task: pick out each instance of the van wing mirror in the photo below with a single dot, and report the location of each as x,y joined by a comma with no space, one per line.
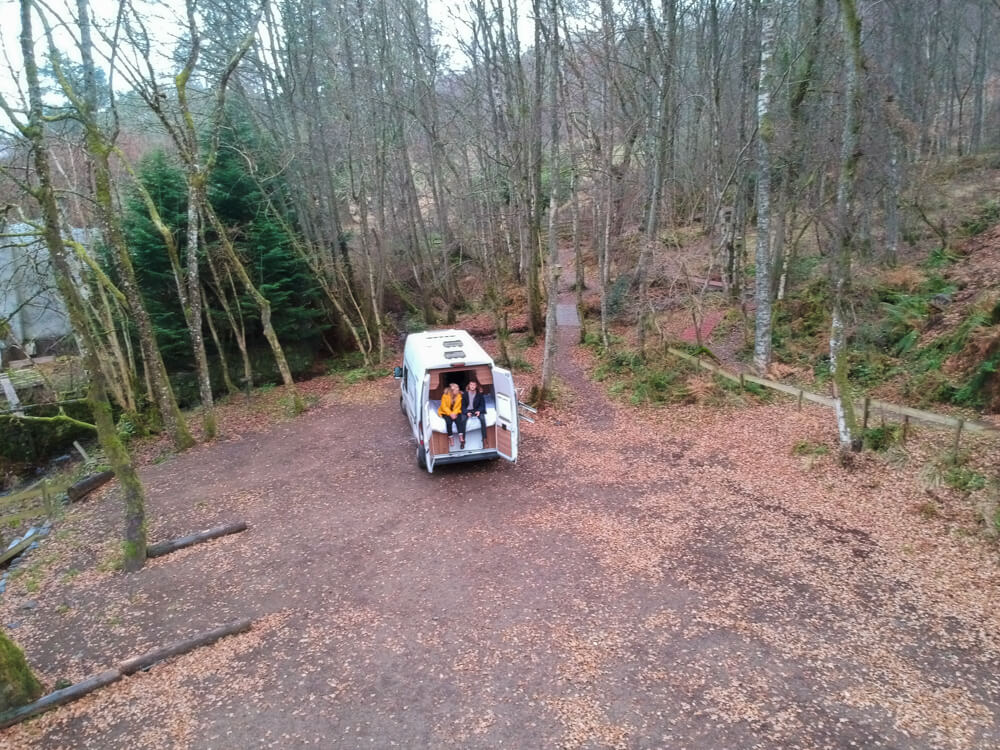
397,372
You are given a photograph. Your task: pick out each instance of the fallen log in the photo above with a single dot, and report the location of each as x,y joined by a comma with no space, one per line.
163,548
87,485
488,332
59,697
17,549
127,667
133,665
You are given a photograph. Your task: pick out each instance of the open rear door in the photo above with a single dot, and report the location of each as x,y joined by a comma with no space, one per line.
506,400
426,422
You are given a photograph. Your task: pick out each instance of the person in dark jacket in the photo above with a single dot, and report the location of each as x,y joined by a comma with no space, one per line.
475,407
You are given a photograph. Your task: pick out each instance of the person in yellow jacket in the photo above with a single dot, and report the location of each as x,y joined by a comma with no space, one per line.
451,410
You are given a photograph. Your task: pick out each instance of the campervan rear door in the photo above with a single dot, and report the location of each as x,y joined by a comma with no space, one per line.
426,413
506,402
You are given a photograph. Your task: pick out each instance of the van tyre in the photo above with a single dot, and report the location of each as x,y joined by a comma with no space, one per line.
422,457
402,406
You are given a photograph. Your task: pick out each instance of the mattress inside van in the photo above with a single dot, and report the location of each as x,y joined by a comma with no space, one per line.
438,425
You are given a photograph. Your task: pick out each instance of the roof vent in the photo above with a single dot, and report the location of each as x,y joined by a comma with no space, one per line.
452,343
454,355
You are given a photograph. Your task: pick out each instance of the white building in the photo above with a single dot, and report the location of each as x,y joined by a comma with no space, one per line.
33,318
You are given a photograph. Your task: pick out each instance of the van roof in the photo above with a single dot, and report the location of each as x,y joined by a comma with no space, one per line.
432,349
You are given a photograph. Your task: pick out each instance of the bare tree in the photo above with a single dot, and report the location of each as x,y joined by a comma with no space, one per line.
100,147
34,131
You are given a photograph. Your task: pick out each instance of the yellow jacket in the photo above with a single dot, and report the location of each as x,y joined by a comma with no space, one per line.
450,407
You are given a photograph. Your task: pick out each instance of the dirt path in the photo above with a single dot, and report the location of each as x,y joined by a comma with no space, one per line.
676,579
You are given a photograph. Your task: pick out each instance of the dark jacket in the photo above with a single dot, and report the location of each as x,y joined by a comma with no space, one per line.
474,403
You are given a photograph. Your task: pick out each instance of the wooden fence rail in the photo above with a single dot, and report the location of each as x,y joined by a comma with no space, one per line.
40,499
869,404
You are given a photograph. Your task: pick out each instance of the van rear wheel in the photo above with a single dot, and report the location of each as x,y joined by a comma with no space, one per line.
422,457
402,406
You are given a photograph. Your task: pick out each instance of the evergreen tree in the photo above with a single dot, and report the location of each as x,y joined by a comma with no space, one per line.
281,275
165,182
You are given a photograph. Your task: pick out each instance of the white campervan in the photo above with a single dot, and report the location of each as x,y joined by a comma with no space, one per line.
431,362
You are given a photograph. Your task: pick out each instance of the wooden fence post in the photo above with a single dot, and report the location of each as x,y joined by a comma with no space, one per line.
742,383
906,427
958,438
801,394
868,406
47,498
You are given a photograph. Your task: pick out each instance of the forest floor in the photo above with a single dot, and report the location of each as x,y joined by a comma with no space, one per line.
680,577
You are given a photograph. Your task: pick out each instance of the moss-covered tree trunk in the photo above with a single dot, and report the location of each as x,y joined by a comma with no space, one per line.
263,305
192,307
223,360
198,166
18,685
187,284
166,402
841,260
117,455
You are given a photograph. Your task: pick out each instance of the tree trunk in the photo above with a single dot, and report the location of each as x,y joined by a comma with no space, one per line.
979,77
227,379
238,329
765,132
552,304
841,262
259,299
192,308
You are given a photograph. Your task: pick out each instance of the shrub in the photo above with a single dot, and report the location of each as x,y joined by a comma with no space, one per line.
964,478
987,216
519,364
361,374
941,257
655,382
618,294
809,448
882,438
18,685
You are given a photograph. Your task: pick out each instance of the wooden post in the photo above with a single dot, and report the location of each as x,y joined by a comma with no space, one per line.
906,427
801,394
958,438
81,451
47,499
742,383
868,406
